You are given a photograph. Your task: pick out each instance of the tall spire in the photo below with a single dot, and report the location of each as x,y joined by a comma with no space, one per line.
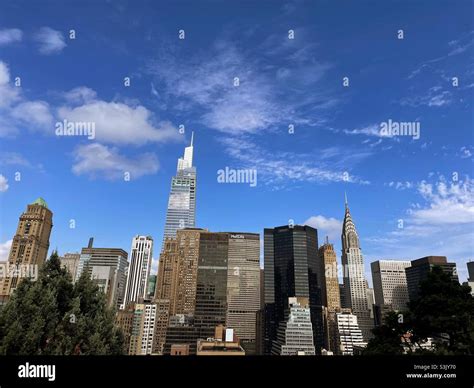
345,200
187,160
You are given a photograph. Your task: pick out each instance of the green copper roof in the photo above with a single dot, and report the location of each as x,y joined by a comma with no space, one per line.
40,201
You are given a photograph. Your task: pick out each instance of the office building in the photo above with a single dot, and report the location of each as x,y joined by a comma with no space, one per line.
141,255
290,270
243,287
349,335
420,268
29,247
70,261
298,331
390,286
327,277
355,283
181,211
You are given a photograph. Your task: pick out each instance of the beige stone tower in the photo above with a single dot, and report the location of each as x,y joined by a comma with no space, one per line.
29,247
328,273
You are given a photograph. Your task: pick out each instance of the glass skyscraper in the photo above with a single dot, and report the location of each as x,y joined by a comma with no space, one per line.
291,265
181,212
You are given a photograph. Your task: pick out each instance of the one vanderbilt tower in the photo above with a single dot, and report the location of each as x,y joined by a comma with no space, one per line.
181,212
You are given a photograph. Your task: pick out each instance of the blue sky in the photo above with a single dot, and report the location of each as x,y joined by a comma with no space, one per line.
336,146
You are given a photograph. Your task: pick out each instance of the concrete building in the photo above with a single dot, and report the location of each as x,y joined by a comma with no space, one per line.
420,268
349,335
113,258
29,247
390,285
141,254
70,261
243,287
298,333
327,277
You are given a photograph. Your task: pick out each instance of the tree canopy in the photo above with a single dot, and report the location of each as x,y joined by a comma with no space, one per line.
444,312
53,316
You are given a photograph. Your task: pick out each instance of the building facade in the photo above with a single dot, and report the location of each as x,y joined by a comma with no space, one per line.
70,261
243,287
298,333
181,211
420,268
355,283
327,277
29,247
349,335
109,266
390,285
290,270
141,255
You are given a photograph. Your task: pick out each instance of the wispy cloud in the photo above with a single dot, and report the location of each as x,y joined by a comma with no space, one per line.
236,91
281,169
3,184
50,41
10,35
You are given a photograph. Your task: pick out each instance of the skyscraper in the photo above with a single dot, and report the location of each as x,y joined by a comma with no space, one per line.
390,285
420,268
291,265
355,284
243,287
29,247
139,269
181,212
211,283
327,277
107,267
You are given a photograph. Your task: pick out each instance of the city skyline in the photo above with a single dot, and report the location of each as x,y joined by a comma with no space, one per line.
411,196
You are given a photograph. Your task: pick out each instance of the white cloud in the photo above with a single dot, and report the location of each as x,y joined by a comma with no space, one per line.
330,227
16,110
443,224
50,41
5,250
10,35
34,112
3,184
80,95
118,123
448,203
99,161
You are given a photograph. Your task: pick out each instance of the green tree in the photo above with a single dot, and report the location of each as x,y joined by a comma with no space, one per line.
51,316
443,311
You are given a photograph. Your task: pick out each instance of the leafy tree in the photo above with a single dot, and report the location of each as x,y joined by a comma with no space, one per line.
51,316
443,311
